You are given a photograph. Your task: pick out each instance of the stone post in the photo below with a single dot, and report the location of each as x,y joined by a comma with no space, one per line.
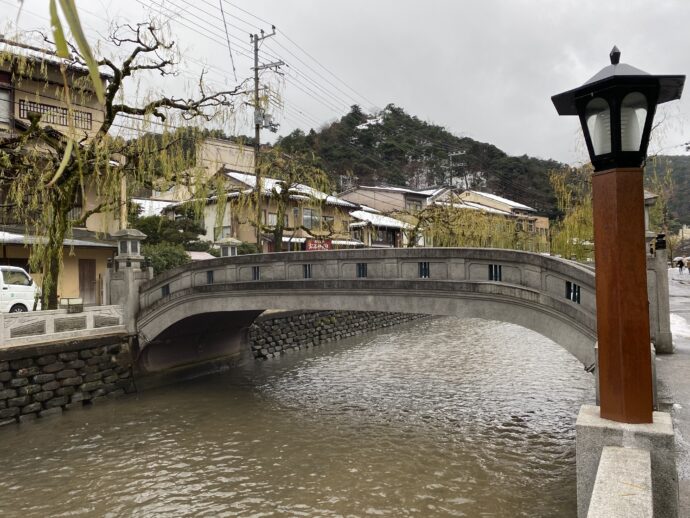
657,279
126,273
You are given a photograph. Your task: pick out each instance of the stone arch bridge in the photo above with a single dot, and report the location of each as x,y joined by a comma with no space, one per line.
199,311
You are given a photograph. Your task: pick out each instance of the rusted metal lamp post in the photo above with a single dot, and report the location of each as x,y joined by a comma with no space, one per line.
616,109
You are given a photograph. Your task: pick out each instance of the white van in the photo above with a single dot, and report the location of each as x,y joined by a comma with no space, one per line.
17,290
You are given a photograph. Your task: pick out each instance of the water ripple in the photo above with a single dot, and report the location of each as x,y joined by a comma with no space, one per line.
446,417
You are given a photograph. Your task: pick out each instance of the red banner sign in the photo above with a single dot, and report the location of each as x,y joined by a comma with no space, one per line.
314,245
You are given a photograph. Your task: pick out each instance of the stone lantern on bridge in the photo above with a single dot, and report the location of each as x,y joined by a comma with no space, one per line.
129,248
126,273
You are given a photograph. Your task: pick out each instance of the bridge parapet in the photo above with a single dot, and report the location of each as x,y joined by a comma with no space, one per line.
558,278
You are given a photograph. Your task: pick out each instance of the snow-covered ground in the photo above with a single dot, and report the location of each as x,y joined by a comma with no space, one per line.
679,326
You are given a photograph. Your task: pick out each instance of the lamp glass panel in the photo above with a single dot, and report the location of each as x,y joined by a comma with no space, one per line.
598,117
633,115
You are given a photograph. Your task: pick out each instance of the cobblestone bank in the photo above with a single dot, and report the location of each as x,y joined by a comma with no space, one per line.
273,334
38,382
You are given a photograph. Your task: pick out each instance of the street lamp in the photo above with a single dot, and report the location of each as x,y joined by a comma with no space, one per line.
616,109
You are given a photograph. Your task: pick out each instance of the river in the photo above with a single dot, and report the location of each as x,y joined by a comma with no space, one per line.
441,417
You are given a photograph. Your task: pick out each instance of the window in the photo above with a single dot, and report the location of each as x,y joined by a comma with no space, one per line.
209,277
424,270
272,219
55,115
228,251
5,106
357,234
530,226
295,216
223,232
123,247
16,278
285,220
361,270
311,218
413,205
572,291
306,270
518,226
495,272
165,290
256,273
135,247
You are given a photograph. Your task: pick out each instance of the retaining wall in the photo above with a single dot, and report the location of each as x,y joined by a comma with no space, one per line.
276,332
39,381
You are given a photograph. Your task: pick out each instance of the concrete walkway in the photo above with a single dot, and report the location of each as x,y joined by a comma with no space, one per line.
673,372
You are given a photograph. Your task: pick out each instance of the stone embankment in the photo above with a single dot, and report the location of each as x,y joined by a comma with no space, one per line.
39,381
42,381
277,332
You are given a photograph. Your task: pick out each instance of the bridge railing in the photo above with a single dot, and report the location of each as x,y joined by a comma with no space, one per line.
556,277
35,327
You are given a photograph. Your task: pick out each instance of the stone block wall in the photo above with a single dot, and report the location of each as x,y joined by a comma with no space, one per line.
274,333
42,381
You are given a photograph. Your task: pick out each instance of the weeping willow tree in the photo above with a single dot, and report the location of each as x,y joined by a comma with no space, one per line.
659,180
454,224
288,181
48,167
572,236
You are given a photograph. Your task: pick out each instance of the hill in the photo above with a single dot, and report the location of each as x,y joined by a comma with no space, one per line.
395,148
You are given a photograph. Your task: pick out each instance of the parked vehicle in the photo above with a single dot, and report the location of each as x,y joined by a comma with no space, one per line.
17,290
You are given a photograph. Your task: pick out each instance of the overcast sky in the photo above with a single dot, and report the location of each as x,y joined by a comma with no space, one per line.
483,69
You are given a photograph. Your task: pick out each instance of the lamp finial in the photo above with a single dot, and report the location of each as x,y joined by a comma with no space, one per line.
615,55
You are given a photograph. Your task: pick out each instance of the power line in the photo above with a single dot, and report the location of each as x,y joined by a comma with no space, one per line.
227,34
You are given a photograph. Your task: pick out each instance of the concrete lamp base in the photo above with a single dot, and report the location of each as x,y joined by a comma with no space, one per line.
595,433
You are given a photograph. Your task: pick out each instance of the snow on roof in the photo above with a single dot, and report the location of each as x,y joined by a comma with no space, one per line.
270,184
500,199
152,207
474,206
430,192
434,191
10,238
378,220
391,189
34,48
369,209
200,256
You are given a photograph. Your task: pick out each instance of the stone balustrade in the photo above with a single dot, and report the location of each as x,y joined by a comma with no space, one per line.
35,327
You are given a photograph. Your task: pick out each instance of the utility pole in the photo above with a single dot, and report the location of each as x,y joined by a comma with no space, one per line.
461,164
260,121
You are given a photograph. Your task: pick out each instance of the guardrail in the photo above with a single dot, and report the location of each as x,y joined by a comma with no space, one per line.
36,327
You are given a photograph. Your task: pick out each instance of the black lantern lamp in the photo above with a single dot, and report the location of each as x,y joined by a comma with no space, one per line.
616,109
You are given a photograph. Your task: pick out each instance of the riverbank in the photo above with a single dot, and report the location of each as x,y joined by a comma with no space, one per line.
673,373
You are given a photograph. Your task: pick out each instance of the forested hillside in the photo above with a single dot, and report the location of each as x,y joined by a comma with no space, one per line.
395,148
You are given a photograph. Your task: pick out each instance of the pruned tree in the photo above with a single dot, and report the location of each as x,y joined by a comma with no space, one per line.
43,171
